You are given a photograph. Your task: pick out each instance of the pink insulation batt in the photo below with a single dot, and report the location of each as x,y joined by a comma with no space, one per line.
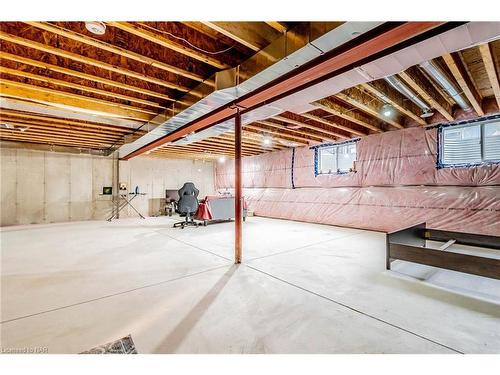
396,185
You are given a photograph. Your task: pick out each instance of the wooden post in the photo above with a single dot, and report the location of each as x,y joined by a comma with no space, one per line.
238,215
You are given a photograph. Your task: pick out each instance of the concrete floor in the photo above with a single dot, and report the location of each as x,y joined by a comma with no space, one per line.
303,288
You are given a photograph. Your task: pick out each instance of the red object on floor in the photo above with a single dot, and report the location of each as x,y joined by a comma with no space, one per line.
204,212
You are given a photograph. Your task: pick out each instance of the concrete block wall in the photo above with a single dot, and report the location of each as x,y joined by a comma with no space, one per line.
48,187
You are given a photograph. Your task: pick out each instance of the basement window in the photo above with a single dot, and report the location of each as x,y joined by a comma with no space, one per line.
469,144
334,158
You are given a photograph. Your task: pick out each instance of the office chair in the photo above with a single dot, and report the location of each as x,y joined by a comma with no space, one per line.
187,204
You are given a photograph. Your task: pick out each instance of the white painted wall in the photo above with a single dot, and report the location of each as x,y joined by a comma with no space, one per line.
155,175
46,187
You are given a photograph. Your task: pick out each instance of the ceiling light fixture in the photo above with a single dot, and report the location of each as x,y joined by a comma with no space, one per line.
13,127
387,110
426,113
222,159
96,27
410,94
267,140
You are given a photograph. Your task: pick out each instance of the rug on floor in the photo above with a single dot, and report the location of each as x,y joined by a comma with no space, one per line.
124,345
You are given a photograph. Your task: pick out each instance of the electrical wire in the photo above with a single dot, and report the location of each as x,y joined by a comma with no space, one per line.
186,41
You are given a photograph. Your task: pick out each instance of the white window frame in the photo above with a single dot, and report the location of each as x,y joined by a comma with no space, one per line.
442,150
333,147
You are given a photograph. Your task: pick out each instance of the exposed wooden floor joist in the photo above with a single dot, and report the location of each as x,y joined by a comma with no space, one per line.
147,67
167,43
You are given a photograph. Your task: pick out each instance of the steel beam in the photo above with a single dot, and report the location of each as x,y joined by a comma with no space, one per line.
379,42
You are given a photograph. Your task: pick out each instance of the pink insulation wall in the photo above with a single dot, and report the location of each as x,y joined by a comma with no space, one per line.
396,184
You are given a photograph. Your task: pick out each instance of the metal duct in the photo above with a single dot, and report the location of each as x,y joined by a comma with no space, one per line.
406,91
457,39
312,49
437,74
293,49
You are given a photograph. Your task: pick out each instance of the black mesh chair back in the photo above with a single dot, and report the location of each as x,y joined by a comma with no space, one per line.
187,204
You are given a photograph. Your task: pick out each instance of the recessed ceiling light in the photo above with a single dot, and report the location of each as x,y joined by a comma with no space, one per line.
95,27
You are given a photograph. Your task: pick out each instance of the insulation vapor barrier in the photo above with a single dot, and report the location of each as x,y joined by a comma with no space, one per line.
397,184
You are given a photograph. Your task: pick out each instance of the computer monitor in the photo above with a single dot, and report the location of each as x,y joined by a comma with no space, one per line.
172,195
